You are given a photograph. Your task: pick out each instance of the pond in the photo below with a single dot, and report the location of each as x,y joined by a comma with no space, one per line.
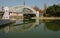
33,28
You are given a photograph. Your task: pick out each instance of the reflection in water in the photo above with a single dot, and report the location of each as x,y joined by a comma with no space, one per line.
53,25
25,26
32,29
42,27
21,26
28,25
6,29
19,22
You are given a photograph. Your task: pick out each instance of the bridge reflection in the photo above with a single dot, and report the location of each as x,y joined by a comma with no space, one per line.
21,26
27,25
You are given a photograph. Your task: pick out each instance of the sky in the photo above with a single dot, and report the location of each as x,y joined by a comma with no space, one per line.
32,3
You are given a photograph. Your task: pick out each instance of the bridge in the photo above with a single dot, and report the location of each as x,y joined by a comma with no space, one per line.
18,11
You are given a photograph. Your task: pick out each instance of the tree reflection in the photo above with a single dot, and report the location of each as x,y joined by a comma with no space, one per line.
53,25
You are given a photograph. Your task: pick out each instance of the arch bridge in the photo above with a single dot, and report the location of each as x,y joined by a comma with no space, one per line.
18,12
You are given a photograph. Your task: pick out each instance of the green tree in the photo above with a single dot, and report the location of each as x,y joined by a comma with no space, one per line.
53,10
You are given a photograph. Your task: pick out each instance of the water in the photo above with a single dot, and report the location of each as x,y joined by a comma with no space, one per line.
32,29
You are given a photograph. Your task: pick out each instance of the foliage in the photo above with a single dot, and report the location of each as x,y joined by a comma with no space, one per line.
37,9
53,10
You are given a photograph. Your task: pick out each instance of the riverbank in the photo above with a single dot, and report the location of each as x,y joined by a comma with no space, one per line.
47,18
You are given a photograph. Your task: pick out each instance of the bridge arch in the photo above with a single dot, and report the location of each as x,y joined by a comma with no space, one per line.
15,8
16,11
